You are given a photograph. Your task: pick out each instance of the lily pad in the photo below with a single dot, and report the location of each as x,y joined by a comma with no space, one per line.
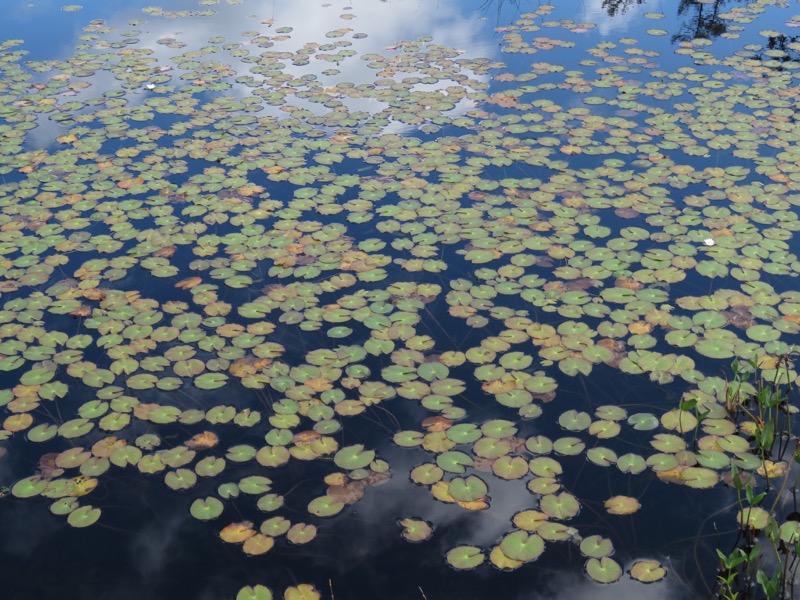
647,571
254,592
325,506
522,546
621,505
416,530
206,509
596,546
464,558
83,516
353,457
603,570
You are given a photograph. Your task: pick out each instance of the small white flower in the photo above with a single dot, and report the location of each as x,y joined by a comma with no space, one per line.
150,86
709,242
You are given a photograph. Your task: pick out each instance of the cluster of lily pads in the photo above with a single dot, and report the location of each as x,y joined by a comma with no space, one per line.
281,262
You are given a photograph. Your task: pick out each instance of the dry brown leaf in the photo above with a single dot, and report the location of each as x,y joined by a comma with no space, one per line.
188,283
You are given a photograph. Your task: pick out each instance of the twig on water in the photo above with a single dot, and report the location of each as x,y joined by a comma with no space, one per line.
423,593
330,585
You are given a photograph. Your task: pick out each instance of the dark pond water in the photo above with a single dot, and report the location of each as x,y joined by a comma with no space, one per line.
392,299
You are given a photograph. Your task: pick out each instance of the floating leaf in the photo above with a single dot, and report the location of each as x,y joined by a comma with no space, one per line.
559,506
416,530
468,489
211,381
503,562
301,533
325,506
353,457
647,571
464,558
255,592
522,546
258,544
596,546
754,517
28,487
621,505
236,533
206,509
603,570
303,591
454,461
408,439
508,467
426,474
573,420
643,421
83,516
790,532
545,466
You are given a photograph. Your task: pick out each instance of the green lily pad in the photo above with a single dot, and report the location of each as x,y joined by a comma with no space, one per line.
499,429
603,570
559,506
667,442
180,479
568,446
573,420
254,484
602,457
790,532
83,516
468,489
303,591
211,381
544,466
454,461
42,432
206,509
754,517
353,457
596,546
539,444
699,477
522,546
643,421
510,467
464,558
275,526
408,439
647,571
464,433
325,506
255,592
28,487
679,420
64,506
763,333
631,463
241,453
544,485
269,502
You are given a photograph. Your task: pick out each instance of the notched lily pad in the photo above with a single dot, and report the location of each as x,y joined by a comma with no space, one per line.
621,505
416,530
603,570
464,558
647,571
206,509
